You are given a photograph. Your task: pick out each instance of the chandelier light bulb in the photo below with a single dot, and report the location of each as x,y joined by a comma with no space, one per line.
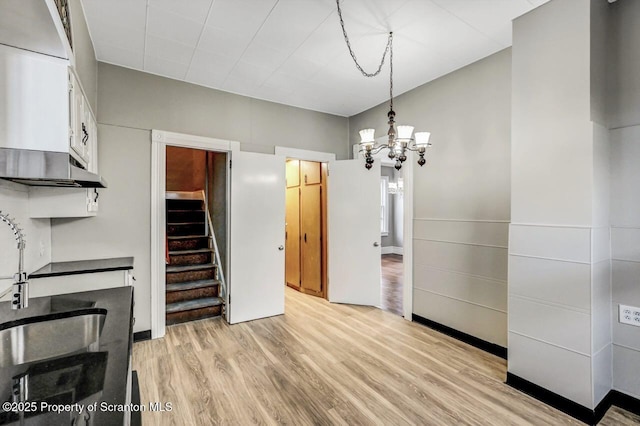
404,132
367,137
422,139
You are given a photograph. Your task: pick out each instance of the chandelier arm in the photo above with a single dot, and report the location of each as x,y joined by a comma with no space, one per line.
378,149
388,48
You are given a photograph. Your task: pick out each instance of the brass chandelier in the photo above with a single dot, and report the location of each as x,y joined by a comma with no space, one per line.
399,141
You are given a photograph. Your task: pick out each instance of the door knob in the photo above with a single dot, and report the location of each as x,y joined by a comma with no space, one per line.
281,248
376,244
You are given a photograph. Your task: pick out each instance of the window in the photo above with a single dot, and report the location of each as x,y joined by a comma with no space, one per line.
384,205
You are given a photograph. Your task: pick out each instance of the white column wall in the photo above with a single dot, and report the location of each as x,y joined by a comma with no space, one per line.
559,261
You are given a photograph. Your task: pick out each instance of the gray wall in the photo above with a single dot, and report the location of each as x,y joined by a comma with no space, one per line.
461,197
138,100
130,104
624,119
122,226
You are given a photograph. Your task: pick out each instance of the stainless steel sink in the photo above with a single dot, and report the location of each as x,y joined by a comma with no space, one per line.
52,335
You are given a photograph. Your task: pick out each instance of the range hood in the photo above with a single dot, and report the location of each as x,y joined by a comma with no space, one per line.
45,168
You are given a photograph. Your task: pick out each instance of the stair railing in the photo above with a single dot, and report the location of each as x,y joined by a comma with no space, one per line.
217,262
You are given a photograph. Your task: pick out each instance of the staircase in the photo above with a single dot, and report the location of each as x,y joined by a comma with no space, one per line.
194,282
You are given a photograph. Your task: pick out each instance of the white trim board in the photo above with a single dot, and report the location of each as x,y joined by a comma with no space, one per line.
392,250
303,154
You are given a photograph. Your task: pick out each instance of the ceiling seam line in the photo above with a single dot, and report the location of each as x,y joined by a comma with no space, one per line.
204,27
146,25
299,46
251,41
469,25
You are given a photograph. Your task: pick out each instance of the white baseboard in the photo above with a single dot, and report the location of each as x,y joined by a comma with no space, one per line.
392,250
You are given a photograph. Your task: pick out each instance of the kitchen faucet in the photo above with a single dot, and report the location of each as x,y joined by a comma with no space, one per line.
20,297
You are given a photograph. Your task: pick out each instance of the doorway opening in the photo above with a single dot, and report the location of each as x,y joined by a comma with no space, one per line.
306,227
196,234
391,230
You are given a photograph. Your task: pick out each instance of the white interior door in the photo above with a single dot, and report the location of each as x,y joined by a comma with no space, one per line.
256,281
354,233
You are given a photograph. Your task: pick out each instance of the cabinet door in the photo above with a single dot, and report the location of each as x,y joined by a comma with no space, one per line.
310,173
293,173
292,235
311,243
93,147
87,132
77,111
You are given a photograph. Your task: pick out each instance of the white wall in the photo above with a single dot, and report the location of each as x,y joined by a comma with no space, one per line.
130,104
624,119
559,259
398,214
461,197
14,200
389,239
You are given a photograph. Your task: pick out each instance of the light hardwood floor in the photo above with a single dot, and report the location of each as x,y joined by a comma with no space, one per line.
391,283
325,364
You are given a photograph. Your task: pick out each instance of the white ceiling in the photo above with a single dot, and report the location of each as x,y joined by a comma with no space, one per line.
293,51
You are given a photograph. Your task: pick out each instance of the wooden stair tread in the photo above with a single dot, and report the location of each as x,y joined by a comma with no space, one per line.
187,268
183,195
190,285
186,237
189,305
194,251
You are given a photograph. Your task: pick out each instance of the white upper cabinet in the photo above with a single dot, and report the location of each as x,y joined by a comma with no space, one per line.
45,108
82,125
34,113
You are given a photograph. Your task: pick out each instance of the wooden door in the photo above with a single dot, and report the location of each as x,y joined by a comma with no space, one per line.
292,234
311,244
305,224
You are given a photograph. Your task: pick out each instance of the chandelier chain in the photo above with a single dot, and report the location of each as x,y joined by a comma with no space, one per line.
390,70
388,49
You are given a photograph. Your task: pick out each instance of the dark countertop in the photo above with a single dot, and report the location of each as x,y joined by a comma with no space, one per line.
56,269
86,376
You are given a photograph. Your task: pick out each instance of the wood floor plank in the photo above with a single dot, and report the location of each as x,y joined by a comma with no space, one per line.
328,364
